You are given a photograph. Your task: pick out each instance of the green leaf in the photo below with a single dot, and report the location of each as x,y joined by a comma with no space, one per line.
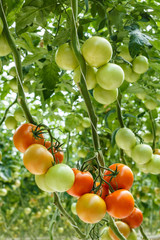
113,137
5,173
31,58
72,121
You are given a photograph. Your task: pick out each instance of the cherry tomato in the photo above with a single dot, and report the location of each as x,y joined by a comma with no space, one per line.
24,136
37,159
90,208
135,219
83,183
124,178
120,203
103,191
58,154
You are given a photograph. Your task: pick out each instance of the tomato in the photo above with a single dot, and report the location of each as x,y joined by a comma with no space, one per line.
135,219
60,177
140,64
97,51
19,115
3,192
142,153
11,122
90,208
157,151
153,166
132,235
105,96
58,153
40,181
148,137
120,203
73,208
82,153
124,178
129,75
60,229
103,191
25,135
27,210
83,183
86,123
125,138
151,104
1,26
37,159
4,46
65,57
12,72
122,227
110,76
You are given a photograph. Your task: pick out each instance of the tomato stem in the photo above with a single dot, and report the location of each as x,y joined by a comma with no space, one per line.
153,130
115,229
6,111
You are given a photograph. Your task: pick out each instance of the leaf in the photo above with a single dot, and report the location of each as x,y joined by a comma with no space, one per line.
72,121
62,37
107,115
31,58
87,6
5,173
102,24
156,43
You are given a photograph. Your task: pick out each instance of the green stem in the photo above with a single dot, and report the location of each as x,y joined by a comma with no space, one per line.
115,229
119,112
6,111
143,233
71,220
82,84
153,130
17,59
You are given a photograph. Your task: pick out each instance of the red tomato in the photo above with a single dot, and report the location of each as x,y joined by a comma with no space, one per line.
37,159
83,183
25,136
58,154
124,178
90,208
120,203
103,191
135,219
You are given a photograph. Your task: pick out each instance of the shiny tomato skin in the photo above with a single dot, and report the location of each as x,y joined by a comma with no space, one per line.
58,155
37,159
90,208
135,219
83,183
120,203
103,191
24,137
124,178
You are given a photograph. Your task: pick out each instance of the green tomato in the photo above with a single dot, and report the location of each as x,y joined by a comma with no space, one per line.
142,153
19,115
17,183
13,85
105,96
12,72
82,153
141,95
128,152
60,229
104,235
143,167
4,46
86,123
60,177
124,53
150,104
11,122
154,164
80,128
90,76
110,76
1,26
97,51
3,192
73,208
129,75
125,138
40,181
0,155
140,64
147,137
65,57
132,235
27,210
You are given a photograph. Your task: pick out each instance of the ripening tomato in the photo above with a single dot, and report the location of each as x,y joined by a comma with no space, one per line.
120,203
103,191
124,178
122,227
135,219
25,135
83,183
37,159
58,154
90,208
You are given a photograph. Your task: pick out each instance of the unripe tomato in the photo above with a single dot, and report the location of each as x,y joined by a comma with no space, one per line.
19,115
132,235
141,95
90,208
120,203
124,178
12,72
65,57
4,46
1,26
83,183
135,219
140,64
25,135
97,51
58,153
122,227
37,159
27,210
40,181
153,166
11,122
3,192
105,96
125,138
142,153
151,104
104,235
129,75
86,123
73,208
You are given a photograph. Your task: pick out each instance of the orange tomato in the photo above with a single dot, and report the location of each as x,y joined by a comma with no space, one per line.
90,208
135,219
122,227
83,183
24,136
37,159
58,154
120,203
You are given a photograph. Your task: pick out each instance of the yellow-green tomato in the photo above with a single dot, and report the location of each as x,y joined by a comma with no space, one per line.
129,75
124,53
60,229
11,122
40,181
27,210
65,57
3,192
13,85
60,177
154,164
17,183
143,167
140,64
147,137
86,122
125,138
142,153
104,235
73,208
4,46
110,76
12,72
90,76
97,51
1,26
132,235
19,115
82,153
105,96
151,104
